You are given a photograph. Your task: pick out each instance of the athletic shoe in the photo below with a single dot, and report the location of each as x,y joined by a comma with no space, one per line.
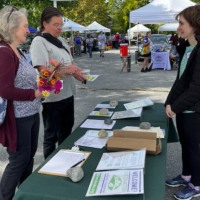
148,69
143,70
100,55
103,56
187,193
177,181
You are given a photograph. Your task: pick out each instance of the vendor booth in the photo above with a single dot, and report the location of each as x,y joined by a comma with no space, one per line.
168,27
139,28
98,27
158,12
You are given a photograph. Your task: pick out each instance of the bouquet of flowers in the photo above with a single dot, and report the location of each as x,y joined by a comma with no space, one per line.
49,79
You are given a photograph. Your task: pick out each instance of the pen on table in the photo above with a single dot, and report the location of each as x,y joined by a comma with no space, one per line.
78,163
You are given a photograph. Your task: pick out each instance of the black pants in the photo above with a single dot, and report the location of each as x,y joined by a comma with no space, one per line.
113,44
58,118
188,125
20,162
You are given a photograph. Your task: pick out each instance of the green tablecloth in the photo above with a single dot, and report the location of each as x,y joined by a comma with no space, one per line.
49,187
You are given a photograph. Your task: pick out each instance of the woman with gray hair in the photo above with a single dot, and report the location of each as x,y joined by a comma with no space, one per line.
19,132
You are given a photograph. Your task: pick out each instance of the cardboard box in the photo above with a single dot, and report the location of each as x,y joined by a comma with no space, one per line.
133,140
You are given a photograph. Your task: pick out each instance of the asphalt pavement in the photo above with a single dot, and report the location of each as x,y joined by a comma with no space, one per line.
113,85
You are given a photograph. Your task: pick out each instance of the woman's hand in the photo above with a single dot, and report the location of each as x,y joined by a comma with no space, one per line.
72,68
77,75
38,94
169,112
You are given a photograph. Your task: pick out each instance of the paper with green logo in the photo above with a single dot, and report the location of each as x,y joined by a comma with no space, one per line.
122,160
116,182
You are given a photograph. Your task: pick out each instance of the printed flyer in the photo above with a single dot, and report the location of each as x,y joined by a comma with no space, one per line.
116,182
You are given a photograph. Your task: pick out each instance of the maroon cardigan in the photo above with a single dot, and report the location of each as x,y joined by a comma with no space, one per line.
9,64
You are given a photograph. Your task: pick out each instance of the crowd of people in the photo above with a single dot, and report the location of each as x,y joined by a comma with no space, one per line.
18,80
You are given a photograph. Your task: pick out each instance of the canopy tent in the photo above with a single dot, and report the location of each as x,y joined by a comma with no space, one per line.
139,28
32,30
72,26
98,27
169,27
159,12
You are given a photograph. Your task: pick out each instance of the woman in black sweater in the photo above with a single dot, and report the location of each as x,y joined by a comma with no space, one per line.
184,101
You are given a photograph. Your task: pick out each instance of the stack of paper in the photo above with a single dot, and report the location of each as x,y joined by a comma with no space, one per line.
104,106
138,104
127,113
122,160
96,124
96,113
116,182
91,139
160,132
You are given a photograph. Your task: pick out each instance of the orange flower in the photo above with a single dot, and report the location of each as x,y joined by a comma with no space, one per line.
46,73
53,81
53,62
40,83
58,78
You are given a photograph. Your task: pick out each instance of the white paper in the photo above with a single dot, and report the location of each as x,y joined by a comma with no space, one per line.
104,106
138,104
96,113
119,182
92,77
96,124
122,160
160,132
127,113
91,139
62,161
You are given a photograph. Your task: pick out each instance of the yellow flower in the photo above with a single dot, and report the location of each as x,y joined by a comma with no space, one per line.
46,93
58,78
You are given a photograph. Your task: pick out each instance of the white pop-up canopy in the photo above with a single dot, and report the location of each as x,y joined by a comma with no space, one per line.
139,28
72,26
169,27
159,11
98,27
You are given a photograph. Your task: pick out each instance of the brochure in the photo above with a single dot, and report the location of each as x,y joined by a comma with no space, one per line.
137,104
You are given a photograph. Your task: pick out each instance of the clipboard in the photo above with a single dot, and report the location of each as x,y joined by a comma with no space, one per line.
65,151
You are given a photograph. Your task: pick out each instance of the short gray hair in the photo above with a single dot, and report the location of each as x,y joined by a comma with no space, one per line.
7,29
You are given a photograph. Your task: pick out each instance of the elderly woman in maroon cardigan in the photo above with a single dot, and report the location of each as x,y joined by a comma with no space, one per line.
19,132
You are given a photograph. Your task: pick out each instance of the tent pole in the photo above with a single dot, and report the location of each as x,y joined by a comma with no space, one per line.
72,41
137,37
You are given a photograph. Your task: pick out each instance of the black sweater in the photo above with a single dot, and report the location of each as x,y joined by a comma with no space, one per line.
185,92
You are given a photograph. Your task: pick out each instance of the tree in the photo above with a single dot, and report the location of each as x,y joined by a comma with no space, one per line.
88,11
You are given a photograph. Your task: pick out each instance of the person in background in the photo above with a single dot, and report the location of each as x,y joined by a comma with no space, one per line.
78,42
89,42
126,38
184,101
117,40
177,41
58,109
147,53
101,40
139,39
18,80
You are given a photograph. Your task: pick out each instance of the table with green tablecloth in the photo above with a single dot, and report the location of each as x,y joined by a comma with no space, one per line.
48,187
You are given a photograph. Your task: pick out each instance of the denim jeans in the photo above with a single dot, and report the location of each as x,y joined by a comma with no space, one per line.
90,50
58,119
78,49
116,44
189,134
20,164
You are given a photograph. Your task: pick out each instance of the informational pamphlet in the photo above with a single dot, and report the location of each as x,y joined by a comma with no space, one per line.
96,113
138,104
92,77
96,124
160,132
127,113
104,106
118,182
91,139
122,160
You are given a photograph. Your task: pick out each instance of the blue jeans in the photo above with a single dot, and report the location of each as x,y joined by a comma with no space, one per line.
20,164
90,50
58,119
116,44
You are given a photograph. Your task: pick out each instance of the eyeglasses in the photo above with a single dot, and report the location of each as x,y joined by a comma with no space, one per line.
58,25
13,9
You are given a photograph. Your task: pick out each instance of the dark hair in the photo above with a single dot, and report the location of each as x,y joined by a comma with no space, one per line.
47,14
172,33
147,33
192,16
88,35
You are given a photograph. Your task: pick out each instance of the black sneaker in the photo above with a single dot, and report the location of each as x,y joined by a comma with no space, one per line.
100,55
148,69
143,70
103,56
